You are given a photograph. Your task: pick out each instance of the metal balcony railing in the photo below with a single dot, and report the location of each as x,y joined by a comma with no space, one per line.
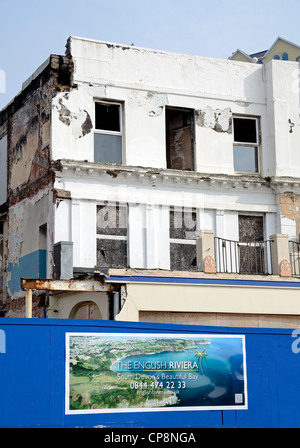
294,247
243,258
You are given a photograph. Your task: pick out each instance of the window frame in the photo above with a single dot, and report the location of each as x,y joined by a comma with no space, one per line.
184,241
257,145
120,133
266,260
191,111
111,236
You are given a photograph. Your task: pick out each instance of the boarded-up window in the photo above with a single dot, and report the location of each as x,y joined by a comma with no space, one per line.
112,236
87,310
180,139
183,240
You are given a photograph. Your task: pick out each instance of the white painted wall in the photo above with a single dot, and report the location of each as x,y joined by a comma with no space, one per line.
83,233
145,82
63,228
283,100
148,218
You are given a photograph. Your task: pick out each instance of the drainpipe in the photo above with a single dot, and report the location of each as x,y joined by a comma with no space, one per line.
116,304
29,303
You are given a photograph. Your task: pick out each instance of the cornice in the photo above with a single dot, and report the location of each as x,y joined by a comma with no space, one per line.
157,176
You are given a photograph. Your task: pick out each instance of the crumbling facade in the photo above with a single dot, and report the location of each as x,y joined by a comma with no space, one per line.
115,160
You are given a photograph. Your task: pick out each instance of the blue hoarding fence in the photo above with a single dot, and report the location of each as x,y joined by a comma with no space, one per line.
48,368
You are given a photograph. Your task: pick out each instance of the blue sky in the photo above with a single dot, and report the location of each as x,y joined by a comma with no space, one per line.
30,30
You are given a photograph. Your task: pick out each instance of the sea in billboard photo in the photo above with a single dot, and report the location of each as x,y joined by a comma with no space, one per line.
142,372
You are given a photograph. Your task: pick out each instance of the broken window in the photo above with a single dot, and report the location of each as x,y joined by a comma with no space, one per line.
183,239
251,246
43,251
112,236
180,139
246,143
108,133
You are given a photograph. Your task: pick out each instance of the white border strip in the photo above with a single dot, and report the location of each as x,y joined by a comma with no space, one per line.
167,409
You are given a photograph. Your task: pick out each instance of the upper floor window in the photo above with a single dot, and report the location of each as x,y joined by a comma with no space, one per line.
246,145
108,133
252,251
112,235
180,138
183,225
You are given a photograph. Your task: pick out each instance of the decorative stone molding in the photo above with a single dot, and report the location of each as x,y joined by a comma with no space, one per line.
285,268
280,255
209,265
205,249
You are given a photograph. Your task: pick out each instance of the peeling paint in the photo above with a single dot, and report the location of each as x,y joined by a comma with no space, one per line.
80,122
242,103
218,120
95,91
16,229
64,113
290,210
153,102
157,103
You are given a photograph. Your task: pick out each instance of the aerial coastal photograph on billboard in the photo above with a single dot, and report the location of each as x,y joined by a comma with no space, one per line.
133,372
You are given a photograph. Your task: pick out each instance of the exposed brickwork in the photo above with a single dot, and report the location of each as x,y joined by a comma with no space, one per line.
290,208
26,124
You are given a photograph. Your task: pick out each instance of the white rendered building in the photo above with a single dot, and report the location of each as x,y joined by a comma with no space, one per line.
126,160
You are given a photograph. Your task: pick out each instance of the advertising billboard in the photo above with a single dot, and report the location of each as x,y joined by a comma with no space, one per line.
134,372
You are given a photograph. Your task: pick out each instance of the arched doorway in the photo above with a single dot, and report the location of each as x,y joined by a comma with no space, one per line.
86,310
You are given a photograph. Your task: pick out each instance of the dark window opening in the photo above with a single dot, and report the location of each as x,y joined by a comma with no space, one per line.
251,249
42,251
183,257
108,117
251,228
111,253
245,130
180,139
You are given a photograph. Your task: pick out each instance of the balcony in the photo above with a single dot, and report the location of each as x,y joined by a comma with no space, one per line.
234,257
294,247
270,257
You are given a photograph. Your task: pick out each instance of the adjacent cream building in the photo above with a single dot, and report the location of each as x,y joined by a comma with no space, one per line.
143,185
281,49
